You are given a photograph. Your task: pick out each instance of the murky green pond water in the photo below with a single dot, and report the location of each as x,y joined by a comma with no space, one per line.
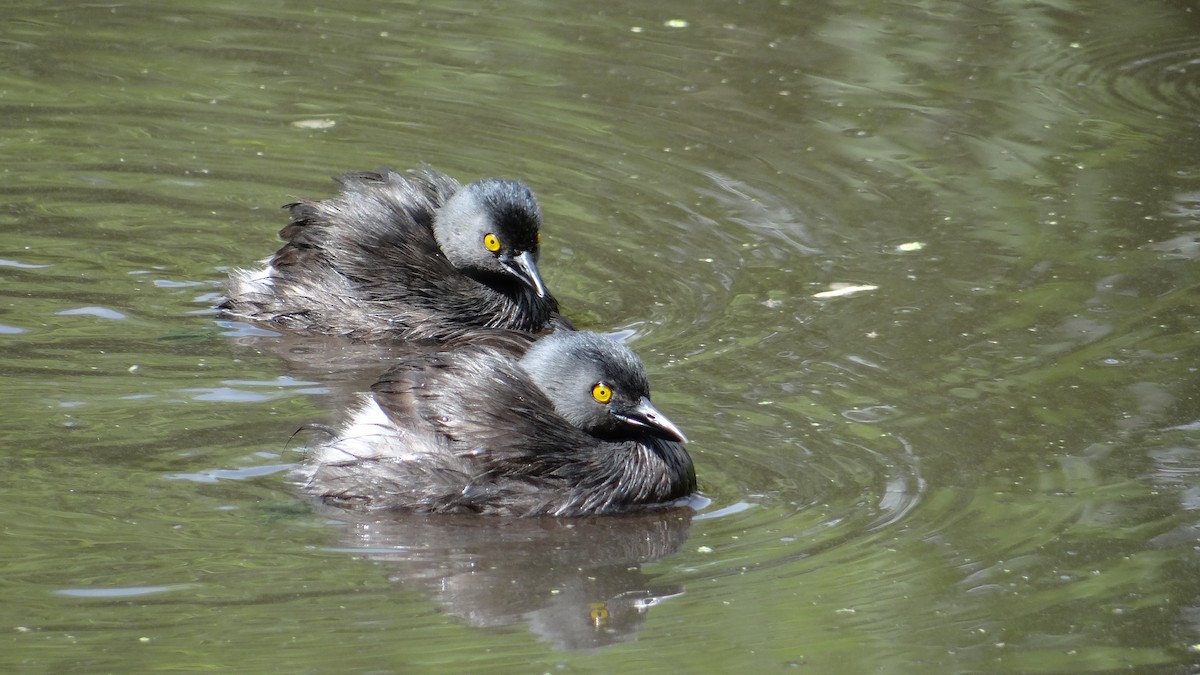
984,459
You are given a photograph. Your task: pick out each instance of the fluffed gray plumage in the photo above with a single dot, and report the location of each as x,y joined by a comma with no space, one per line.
403,257
503,425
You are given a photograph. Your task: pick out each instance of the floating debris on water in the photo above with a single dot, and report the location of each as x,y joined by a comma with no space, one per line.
839,290
314,124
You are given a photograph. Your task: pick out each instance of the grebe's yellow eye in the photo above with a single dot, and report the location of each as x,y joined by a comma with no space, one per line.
491,242
602,393
539,240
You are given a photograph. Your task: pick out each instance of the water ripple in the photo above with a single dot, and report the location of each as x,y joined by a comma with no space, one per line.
1140,77
848,492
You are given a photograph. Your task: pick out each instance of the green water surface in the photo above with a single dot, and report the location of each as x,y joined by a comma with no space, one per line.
984,459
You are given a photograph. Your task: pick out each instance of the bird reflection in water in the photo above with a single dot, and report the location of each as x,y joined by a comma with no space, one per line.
577,583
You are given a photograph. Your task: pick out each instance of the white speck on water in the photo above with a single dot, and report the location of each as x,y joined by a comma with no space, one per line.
314,124
839,290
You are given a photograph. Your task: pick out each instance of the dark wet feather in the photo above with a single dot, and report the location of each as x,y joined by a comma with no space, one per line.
365,264
469,431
